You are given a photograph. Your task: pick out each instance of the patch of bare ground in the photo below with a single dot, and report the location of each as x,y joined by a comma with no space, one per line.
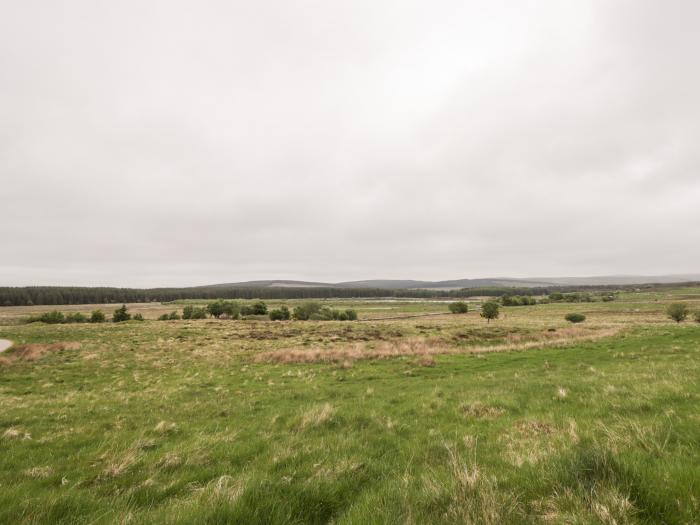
427,347
35,351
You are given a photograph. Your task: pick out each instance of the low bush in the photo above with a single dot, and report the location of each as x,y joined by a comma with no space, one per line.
76,317
54,317
198,313
575,318
460,307
97,316
304,311
280,314
137,317
120,315
677,311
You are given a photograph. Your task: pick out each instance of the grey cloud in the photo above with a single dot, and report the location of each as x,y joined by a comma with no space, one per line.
177,143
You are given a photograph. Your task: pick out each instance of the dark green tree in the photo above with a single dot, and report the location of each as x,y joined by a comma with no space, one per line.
120,315
97,316
490,310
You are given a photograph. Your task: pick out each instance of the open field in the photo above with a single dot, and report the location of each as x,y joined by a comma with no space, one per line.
436,419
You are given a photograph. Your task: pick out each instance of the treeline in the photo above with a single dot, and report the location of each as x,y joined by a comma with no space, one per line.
56,295
49,295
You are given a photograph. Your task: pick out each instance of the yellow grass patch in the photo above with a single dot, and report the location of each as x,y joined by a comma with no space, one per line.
427,347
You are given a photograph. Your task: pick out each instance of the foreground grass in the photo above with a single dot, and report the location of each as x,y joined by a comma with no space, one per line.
177,423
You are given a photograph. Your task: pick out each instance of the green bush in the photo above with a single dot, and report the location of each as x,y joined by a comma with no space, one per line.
677,311
137,317
280,314
259,308
187,311
174,316
221,308
490,310
97,316
460,307
76,317
575,318
164,317
304,311
120,315
198,313
216,309
352,314
54,317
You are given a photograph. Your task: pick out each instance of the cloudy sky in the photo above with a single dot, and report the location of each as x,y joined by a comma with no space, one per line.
172,142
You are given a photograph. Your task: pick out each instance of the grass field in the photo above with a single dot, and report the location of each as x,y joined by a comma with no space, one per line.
436,419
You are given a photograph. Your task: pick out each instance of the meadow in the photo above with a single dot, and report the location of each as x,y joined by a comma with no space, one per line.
433,418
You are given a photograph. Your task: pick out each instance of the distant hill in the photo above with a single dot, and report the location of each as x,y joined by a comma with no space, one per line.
603,280
393,284
455,284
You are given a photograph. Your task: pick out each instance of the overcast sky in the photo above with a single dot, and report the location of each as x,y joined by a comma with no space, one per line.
149,143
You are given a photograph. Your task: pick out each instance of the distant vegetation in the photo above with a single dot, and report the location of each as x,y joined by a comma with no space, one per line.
575,318
490,310
315,312
678,311
517,300
55,295
56,317
460,307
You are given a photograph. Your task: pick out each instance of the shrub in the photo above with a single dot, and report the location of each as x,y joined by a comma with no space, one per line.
164,317
677,311
352,314
97,316
259,308
187,311
223,308
216,309
54,317
697,317
460,307
199,313
489,310
575,318
174,316
120,315
76,317
138,317
304,311
246,310
280,314
232,309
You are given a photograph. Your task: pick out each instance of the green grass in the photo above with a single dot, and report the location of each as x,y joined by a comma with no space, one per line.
174,422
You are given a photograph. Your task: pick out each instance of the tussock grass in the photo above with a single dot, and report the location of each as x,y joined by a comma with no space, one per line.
427,347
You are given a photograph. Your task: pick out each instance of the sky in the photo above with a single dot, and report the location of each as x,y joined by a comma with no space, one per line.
175,143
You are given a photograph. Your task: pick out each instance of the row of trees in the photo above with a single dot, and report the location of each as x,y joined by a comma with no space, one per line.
97,316
55,295
310,311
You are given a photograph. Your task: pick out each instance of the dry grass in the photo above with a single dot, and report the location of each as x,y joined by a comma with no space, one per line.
316,416
427,347
478,410
35,351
